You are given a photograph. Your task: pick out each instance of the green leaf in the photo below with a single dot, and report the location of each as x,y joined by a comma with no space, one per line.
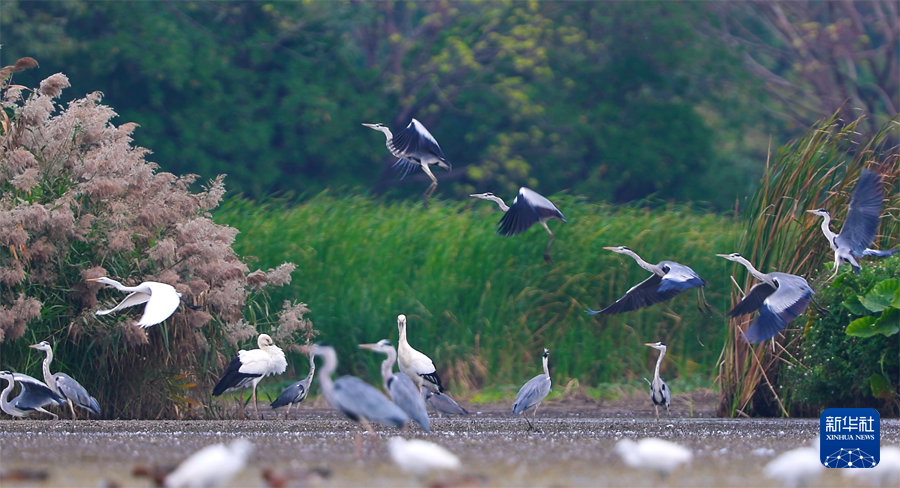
896,301
881,387
862,327
881,295
854,306
889,322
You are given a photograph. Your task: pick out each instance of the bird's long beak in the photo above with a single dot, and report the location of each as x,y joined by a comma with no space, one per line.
723,255
650,344
304,349
610,248
812,212
92,279
367,346
34,346
371,126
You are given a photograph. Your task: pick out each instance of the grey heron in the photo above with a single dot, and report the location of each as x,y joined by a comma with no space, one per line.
35,395
414,364
356,399
443,404
654,454
659,391
415,146
861,225
213,465
250,367
399,386
419,457
527,209
161,300
65,386
668,280
297,392
780,298
533,393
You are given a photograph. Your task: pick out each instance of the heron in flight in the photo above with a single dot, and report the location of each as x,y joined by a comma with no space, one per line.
861,225
415,146
668,280
298,391
533,393
527,209
65,386
399,386
35,395
250,367
161,300
659,391
779,297
416,365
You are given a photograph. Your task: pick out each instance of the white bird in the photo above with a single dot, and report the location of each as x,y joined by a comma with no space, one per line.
35,395
528,208
211,466
886,473
162,300
797,467
66,386
652,453
400,387
659,391
419,457
533,393
414,364
249,367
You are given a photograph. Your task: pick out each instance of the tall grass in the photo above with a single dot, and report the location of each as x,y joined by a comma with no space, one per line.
483,306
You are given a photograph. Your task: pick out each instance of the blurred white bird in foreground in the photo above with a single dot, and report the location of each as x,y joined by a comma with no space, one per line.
797,467
419,457
211,466
655,454
886,473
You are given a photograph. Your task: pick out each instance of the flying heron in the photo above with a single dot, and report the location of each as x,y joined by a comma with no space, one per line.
780,298
213,465
35,395
659,391
162,300
416,365
654,454
861,225
399,386
527,209
419,457
297,392
415,146
533,393
65,386
249,367
443,404
668,280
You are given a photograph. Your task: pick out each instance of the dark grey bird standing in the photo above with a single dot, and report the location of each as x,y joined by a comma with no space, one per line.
35,395
659,391
65,386
297,392
533,393
780,298
399,386
443,404
415,146
528,208
668,280
861,225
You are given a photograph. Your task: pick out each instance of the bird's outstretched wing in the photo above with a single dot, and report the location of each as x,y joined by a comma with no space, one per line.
135,298
780,308
861,225
679,278
752,300
643,294
415,139
520,216
404,167
880,253
35,393
164,301
545,208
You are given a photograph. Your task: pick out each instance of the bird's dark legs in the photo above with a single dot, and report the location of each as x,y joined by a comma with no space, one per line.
530,425
702,304
255,405
549,243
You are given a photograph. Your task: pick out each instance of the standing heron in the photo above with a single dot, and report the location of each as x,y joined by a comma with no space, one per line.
443,404
415,146
780,298
861,225
668,280
416,365
527,209
399,386
659,391
65,386
35,395
358,400
533,393
162,300
297,392
250,367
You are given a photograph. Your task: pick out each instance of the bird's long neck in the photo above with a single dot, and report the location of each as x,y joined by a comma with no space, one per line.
500,202
546,368
48,378
121,287
403,342
755,272
387,366
325,381
644,264
662,353
826,228
312,370
4,396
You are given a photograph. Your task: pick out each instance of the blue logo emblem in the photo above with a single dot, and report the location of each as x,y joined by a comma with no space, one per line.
850,438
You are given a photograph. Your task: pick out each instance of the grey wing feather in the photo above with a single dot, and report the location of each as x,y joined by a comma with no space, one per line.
406,395
519,218
294,393
358,399
73,391
881,254
545,208
416,140
532,393
780,308
444,404
679,278
752,300
861,225
643,294
35,393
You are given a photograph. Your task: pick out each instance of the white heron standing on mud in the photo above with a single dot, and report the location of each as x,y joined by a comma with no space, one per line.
298,391
66,386
161,300
528,208
399,386
659,391
414,364
533,393
250,367
35,395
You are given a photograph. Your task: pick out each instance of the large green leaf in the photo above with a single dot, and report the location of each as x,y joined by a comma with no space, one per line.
889,322
862,327
854,306
896,301
881,387
881,295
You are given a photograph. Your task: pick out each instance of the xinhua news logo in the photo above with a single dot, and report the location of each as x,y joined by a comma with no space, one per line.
850,438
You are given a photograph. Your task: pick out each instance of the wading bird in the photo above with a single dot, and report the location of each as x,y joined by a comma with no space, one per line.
797,467
668,279
533,393
213,465
65,386
297,392
419,457
35,395
414,364
654,454
358,400
527,209
659,391
415,146
249,367
861,225
780,298
399,386
162,300
443,404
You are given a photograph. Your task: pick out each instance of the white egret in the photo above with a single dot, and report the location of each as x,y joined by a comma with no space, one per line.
161,300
